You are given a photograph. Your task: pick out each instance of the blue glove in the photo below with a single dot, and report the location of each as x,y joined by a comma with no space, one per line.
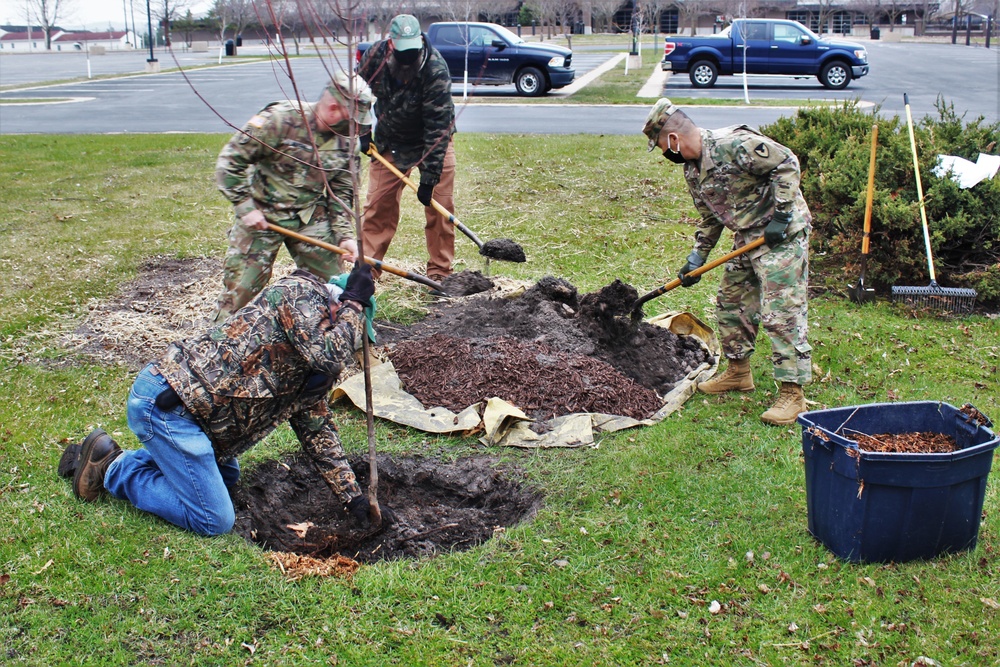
365,143
424,193
776,230
341,282
694,261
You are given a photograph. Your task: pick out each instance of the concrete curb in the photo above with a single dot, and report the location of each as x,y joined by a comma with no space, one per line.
585,80
654,84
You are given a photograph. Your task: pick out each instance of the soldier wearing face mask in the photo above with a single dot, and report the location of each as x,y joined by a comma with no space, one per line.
748,183
414,124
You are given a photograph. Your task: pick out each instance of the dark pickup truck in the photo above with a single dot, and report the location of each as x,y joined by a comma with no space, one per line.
498,57
771,46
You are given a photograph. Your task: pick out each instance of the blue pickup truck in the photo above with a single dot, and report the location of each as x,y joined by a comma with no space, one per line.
765,46
497,57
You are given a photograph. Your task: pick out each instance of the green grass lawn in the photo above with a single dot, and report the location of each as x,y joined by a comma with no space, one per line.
637,537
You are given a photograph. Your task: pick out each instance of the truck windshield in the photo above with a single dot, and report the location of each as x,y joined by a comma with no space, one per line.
508,35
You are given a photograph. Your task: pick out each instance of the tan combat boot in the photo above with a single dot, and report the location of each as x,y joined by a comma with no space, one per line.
736,377
790,403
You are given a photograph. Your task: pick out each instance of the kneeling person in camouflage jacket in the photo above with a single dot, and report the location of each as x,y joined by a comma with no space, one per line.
212,397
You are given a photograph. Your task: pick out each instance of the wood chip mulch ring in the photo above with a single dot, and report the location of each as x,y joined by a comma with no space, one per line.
295,566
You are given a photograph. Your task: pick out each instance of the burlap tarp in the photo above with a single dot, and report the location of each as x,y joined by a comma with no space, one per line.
504,424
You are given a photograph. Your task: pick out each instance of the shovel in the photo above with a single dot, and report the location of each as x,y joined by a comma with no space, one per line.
409,275
673,284
503,249
858,293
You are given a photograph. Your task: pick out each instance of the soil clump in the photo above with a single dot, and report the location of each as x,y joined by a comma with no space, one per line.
286,506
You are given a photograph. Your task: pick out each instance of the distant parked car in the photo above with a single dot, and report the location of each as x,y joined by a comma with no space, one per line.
772,46
498,57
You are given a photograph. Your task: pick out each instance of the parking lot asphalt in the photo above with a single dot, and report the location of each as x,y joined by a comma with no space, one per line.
213,99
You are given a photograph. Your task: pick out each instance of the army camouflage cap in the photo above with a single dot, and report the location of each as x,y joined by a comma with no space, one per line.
657,118
405,33
352,93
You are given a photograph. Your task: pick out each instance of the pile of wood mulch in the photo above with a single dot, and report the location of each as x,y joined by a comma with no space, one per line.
919,442
542,381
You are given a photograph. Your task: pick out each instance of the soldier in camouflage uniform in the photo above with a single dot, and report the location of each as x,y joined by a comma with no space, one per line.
415,121
741,180
269,171
212,397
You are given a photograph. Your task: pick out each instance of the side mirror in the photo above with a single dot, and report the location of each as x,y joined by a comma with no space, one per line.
499,44
806,40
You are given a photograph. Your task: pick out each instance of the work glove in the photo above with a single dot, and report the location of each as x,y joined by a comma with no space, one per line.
365,143
776,230
360,285
424,193
337,285
694,261
359,510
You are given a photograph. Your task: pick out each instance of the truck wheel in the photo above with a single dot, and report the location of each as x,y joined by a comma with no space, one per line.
530,82
703,74
835,75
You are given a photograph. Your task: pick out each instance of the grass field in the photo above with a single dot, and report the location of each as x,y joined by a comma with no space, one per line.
637,537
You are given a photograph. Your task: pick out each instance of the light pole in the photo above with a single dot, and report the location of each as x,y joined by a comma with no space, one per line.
149,27
125,11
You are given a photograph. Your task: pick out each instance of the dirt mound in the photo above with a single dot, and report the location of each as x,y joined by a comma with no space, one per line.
286,506
549,351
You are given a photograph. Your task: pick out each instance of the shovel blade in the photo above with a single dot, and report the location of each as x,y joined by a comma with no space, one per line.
860,294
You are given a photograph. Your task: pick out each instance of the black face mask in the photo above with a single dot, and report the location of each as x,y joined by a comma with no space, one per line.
407,57
674,157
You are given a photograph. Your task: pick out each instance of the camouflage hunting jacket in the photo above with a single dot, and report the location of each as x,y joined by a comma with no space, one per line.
274,360
414,119
741,179
271,165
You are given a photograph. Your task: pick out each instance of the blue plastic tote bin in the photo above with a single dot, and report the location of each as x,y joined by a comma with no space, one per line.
882,507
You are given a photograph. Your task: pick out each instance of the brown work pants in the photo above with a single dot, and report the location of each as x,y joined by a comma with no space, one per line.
381,217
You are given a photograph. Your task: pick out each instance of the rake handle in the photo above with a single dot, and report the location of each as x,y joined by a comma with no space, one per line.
434,202
378,264
920,189
673,284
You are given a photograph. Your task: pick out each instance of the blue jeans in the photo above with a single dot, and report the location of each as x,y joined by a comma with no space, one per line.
175,476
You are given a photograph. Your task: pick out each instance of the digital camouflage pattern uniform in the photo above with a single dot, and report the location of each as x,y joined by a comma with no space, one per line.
740,180
275,360
415,121
269,165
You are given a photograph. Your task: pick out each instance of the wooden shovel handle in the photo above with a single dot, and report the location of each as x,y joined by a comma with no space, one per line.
378,264
697,272
871,193
434,202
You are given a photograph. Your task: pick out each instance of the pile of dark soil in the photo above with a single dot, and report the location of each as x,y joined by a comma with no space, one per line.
286,506
549,351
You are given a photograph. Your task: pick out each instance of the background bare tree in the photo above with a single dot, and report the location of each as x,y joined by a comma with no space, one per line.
566,14
603,12
46,13
381,12
688,13
235,14
895,8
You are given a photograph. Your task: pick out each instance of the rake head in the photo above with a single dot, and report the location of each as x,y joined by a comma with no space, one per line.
953,299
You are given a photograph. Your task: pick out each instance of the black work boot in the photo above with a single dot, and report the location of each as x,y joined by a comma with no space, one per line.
69,460
96,454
